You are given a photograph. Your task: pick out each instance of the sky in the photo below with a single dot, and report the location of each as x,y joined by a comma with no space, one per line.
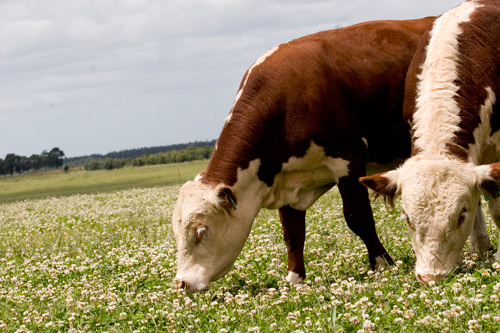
96,76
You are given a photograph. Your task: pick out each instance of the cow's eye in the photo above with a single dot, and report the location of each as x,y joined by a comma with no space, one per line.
408,222
461,217
200,233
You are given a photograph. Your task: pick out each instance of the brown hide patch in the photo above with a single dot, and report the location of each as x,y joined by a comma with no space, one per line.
458,151
308,90
414,71
479,68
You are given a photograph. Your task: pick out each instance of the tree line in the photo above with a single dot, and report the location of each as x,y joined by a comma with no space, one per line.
129,154
171,156
16,164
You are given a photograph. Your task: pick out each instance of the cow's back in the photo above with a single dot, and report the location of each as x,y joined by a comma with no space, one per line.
341,83
371,61
331,88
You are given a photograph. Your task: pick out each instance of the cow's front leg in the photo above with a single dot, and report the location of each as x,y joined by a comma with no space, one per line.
294,233
494,206
359,217
479,239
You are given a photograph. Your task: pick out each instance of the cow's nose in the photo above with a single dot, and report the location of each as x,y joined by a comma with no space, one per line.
181,284
426,278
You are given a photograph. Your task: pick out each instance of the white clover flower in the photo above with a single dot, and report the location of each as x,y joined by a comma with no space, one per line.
368,325
496,265
472,324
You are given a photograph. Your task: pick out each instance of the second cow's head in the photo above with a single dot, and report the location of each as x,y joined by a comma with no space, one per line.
439,199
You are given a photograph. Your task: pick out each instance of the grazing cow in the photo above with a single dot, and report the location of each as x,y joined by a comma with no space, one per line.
307,116
450,102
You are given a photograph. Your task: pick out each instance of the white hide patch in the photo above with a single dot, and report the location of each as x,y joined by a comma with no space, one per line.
293,278
303,180
257,63
436,117
486,147
365,141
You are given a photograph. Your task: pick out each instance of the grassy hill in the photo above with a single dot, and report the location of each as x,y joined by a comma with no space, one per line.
58,183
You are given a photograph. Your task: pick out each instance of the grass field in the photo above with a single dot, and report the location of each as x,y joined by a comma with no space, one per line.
105,263
57,183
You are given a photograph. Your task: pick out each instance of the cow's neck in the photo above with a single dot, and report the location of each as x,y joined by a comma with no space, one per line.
235,162
452,111
471,137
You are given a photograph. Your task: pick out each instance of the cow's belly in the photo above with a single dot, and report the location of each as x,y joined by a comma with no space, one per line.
303,180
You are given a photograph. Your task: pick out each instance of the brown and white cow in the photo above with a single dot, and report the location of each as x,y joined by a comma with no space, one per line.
308,115
450,102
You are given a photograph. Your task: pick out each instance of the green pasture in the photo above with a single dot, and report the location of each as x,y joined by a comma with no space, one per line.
58,183
106,262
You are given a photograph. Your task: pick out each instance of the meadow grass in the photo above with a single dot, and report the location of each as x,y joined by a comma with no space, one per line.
106,263
58,183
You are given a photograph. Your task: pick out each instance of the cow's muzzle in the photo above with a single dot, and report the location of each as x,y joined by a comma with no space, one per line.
424,279
190,288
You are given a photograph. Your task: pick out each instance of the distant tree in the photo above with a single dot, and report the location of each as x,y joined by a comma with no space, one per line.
91,165
66,168
23,164
36,162
138,161
112,163
11,163
54,158
151,159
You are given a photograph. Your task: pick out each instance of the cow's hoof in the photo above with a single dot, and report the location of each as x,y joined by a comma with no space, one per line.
294,278
382,261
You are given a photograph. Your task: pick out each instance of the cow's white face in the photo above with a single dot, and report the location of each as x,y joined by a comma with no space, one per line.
209,237
439,199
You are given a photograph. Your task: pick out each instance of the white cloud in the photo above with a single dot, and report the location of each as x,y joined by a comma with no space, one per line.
146,72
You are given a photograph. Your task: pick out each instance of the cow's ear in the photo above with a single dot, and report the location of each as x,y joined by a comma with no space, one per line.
227,196
383,184
488,177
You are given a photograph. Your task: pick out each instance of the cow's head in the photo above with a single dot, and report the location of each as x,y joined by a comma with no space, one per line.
440,199
208,234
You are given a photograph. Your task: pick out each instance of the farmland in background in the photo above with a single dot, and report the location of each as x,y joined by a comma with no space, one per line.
58,183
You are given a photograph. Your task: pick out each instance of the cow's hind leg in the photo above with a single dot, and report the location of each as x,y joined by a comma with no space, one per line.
359,217
494,206
294,233
479,239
